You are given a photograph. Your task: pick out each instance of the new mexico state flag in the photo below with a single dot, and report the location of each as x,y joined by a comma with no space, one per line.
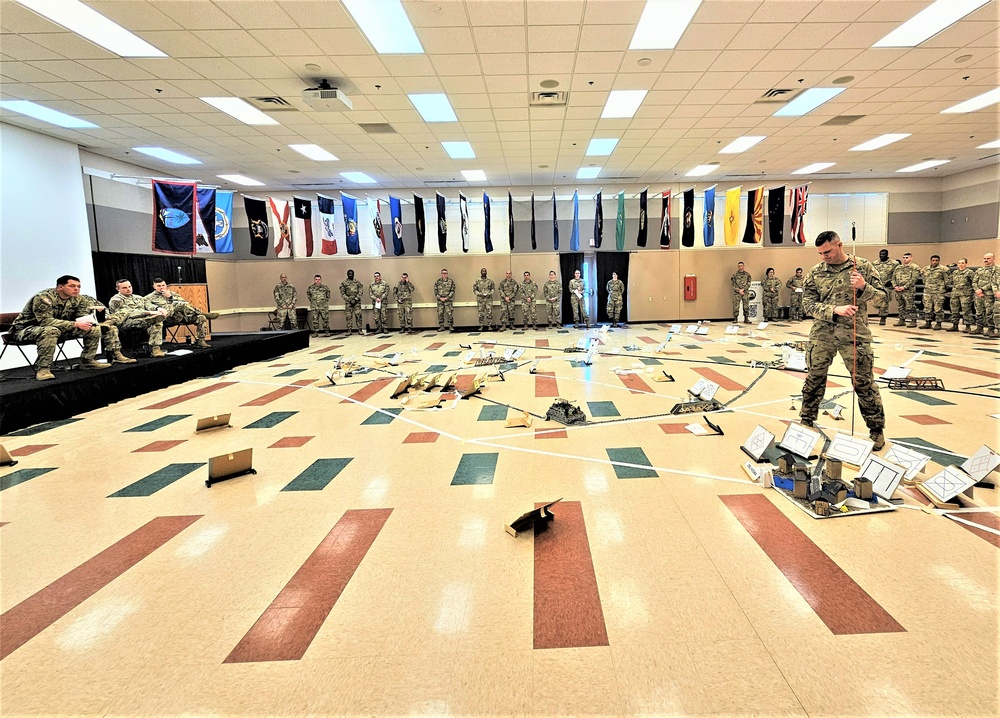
732,218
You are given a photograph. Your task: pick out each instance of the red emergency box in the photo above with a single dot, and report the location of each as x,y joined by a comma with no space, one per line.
690,287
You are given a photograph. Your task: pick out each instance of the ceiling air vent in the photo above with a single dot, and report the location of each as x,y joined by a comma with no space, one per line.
551,98
270,104
377,128
777,95
843,119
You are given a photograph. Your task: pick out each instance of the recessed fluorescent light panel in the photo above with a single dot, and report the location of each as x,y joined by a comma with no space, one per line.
434,107
240,179
588,172
815,167
474,175
87,22
742,144
314,152
976,103
990,145
358,177
167,155
44,114
701,170
622,103
808,101
662,23
929,22
601,147
459,150
239,109
385,24
923,165
880,141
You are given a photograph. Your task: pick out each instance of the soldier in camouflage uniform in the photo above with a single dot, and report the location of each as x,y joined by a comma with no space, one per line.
741,293
935,283
318,295
379,292
552,293
528,290
616,293
352,290
885,267
836,294
403,292
444,293
794,286
179,310
285,298
54,315
135,312
771,286
995,288
110,341
962,297
483,288
904,283
508,299
982,286
577,301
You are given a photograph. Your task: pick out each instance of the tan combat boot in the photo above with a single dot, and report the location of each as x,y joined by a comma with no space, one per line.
937,326
202,344
158,352
211,315
119,358
44,374
92,363
926,324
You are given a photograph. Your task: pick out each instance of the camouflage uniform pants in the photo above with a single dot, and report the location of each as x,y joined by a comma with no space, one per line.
984,310
153,324
770,307
109,338
962,305
614,309
579,310
744,300
883,310
506,313
820,354
46,339
934,306
379,316
286,314
319,319
446,314
405,311
553,312
529,312
485,305
795,310
188,315
352,313
907,305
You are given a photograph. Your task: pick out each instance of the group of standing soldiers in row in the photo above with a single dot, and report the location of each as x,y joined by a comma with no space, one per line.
770,288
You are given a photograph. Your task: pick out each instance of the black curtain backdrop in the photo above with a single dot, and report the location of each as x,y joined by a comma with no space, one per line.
569,262
608,262
140,269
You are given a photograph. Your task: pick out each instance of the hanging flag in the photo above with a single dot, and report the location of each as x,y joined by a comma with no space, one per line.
396,214
510,221
574,233
534,245
598,219
351,223
442,225
665,222
174,207
555,224
800,196
280,213
486,231
418,214
708,221
755,216
302,230
687,231
640,239
204,233
375,212
732,215
776,215
463,211
256,210
620,223
328,222
224,221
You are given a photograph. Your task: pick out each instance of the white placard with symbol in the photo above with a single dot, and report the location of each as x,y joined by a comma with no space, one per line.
884,475
948,483
981,463
913,461
758,442
799,440
849,449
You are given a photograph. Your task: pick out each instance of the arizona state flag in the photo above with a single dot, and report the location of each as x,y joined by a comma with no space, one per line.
800,196
640,239
574,231
534,245
755,216
599,219
257,220
442,225
709,219
327,220
418,215
555,224
732,216
620,223
351,223
486,231
280,213
463,211
510,221
665,221
175,206
302,230
687,231
396,214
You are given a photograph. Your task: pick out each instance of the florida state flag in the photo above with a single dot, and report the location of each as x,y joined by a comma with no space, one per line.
280,215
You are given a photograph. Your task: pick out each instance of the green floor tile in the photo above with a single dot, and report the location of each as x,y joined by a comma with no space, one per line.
937,453
475,469
631,455
149,485
924,398
749,344
385,416
319,474
158,423
602,408
331,357
650,361
20,476
436,367
452,354
928,353
290,372
491,412
45,426
691,346
722,360
272,419
577,364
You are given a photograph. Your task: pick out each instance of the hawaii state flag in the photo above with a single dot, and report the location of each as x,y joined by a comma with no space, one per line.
732,215
327,222
598,219
640,238
256,210
755,216
555,224
574,233
442,225
174,212
510,221
418,218
463,211
486,231
687,231
351,223
375,211
665,221
396,215
709,217
281,214
800,197
302,228
224,221
534,245
776,215
620,223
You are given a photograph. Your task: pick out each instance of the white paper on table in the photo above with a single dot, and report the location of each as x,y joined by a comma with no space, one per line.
697,429
732,329
675,328
690,328
702,330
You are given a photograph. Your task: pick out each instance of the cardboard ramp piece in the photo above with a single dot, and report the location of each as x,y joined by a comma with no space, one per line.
521,419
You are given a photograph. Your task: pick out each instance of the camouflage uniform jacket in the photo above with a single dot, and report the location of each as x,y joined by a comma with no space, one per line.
285,296
48,309
905,276
616,289
935,278
885,270
551,290
795,283
577,285
444,288
983,279
740,280
379,290
528,290
508,289
772,286
351,290
484,287
961,280
130,306
403,291
162,300
828,286
318,295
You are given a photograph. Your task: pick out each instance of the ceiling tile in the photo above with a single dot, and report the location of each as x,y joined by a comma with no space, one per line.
504,64
606,37
447,40
551,63
456,65
500,39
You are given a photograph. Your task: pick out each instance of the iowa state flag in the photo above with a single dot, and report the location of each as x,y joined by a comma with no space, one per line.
175,207
574,232
302,228
687,231
281,214
421,223
224,221
396,215
351,223
327,222
486,231
260,233
732,227
665,221
640,238
709,218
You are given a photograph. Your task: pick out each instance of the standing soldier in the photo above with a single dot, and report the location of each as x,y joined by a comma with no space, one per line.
935,280
319,306
379,292
403,292
772,289
616,291
508,298
577,291
483,289
179,310
285,299
795,298
444,293
741,293
904,282
885,267
552,293
132,312
962,304
995,288
529,290
982,285
352,291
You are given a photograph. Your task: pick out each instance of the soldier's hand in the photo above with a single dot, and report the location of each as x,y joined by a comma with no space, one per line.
845,310
83,323
857,280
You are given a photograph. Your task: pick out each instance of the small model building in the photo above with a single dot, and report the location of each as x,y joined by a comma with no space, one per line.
822,507
800,488
863,488
834,492
565,413
833,469
786,464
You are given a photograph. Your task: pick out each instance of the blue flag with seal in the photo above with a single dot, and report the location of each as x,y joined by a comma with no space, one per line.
174,209
486,215
351,223
396,214
709,217
555,224
574,235
224,221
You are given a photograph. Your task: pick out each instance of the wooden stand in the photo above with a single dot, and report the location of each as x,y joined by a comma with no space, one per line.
197,296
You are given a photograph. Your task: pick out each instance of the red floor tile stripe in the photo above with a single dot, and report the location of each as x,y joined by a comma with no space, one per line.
924,419
160,446
568,611
983,519
959,367
278,393
839,602
30,449
190,395
421,437
20,624
674,428
287,627
722,380
369,390
541,343
330,348
291,442
551,434
648,340
546,384
380,347
435,345
635,383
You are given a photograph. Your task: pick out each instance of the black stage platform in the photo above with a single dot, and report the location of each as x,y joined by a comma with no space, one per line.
24,401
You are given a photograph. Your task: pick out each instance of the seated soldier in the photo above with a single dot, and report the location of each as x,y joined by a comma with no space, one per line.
54,315
179,310
129,311
109,331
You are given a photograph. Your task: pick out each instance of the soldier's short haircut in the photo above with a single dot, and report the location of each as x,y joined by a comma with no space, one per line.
798,269
317,276
121,281
405,274
827,236
907,255
769,270
963,259
935,256
158,280
66,278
